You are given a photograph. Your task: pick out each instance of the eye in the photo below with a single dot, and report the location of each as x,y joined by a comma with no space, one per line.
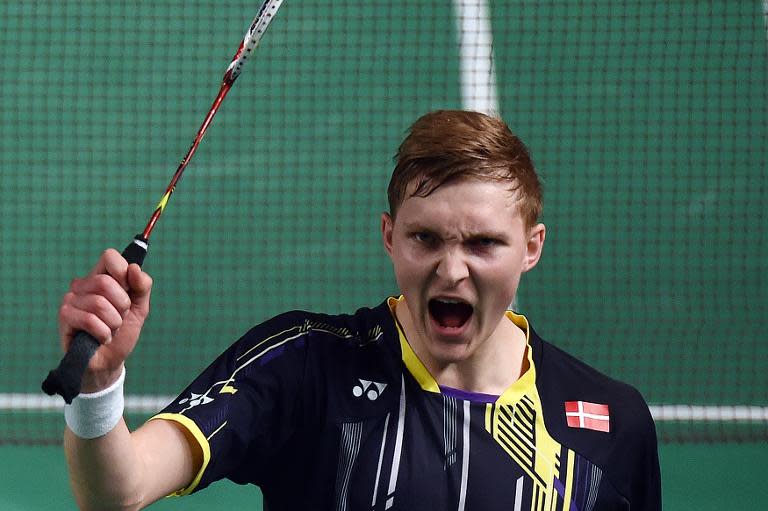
425,238
484,243
487,242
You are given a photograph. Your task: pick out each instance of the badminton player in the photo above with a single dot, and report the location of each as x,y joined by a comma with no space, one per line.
437,398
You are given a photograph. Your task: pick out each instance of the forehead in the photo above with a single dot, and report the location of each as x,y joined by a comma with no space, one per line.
471,205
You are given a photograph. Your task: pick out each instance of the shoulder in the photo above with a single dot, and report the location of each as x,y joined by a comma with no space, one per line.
327,357
562,375
622,441
365,326
305,339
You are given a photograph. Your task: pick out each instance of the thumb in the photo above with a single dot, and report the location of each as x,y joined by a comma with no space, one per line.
139,287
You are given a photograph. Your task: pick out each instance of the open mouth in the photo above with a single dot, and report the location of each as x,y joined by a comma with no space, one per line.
450,313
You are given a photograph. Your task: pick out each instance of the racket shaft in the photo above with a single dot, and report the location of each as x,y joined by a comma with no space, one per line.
184,161
251,39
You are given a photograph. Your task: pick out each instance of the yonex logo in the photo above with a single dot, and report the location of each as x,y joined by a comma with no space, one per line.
195,400
371,389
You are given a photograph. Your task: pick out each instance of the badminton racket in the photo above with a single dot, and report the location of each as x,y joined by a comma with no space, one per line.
66,379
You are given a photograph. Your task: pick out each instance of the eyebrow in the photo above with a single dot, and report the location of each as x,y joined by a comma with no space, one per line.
493,235
483,233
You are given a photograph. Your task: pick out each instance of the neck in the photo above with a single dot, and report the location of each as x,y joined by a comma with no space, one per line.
492,366
490,370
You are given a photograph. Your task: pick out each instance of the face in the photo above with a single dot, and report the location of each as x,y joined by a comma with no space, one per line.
458,255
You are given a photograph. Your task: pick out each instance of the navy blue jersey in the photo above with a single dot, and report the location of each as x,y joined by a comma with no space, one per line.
338,413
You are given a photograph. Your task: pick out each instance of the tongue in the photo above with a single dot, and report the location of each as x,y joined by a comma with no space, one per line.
451,315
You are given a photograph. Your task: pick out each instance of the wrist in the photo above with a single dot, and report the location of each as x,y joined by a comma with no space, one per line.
95,381
92,415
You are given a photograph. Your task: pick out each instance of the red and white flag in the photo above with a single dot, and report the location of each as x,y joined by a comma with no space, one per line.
585,415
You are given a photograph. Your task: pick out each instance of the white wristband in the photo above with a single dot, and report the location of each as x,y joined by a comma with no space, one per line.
94,415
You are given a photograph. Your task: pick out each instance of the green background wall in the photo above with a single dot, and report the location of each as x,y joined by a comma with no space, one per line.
647,121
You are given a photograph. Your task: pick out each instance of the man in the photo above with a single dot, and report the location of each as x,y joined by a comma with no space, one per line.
439,399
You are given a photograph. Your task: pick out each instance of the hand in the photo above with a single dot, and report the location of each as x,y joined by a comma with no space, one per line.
110,303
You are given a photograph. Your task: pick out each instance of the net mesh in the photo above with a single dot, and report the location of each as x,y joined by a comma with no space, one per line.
647,122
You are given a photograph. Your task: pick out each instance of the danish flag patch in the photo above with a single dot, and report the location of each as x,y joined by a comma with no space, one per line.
585,415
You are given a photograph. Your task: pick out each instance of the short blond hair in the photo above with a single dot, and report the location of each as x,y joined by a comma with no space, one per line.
452,145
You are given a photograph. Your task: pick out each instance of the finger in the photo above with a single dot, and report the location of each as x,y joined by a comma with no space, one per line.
101,264
140,284
114,264
102,285
100,307
73,319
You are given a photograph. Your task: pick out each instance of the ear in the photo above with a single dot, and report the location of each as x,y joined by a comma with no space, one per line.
534,246
387,226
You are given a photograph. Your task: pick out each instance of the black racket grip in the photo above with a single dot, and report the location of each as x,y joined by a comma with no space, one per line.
66,380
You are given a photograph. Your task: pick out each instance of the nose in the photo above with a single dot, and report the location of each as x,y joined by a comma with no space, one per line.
451,268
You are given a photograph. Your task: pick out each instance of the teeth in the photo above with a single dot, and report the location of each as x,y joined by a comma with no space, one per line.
447,300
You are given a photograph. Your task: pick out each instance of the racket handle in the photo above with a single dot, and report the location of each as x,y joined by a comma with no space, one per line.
66,380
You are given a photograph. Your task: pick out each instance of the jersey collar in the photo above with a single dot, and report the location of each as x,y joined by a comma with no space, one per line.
511,394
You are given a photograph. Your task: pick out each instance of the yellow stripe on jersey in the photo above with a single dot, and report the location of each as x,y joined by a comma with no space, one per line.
227,389
411,360
190,426
515,419
511,426
527,381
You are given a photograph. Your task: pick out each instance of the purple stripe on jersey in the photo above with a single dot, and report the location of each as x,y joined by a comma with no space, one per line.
475,397
560,487
274,353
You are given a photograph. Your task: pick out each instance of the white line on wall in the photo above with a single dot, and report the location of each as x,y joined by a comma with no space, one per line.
478,75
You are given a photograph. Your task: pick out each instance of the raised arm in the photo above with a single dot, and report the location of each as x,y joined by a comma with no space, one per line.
117,469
